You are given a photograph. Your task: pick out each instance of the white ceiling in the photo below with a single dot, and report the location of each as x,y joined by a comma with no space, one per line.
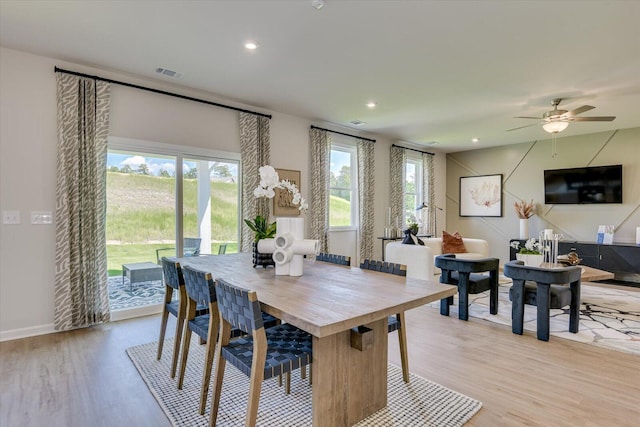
439,71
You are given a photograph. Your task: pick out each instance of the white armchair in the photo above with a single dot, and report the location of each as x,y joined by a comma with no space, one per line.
420,260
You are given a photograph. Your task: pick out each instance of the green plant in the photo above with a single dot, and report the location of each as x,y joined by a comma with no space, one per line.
261,227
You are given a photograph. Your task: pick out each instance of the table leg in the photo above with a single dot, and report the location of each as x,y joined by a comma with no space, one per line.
348,384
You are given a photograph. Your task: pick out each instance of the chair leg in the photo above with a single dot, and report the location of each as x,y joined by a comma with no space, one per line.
163,328
303,372
176,345
542,300
212,338
257,376
574,308
287,383
402,340
186,340
444,306
493,293
463,296
218,375
517,306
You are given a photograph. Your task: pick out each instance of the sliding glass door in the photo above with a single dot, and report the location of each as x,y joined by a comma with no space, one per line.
160,204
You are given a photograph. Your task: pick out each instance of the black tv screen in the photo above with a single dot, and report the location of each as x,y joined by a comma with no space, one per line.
599,184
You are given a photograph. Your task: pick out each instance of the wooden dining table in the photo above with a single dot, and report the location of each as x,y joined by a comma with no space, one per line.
328,301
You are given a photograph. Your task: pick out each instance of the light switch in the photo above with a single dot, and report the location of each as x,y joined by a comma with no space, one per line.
11,217
41,217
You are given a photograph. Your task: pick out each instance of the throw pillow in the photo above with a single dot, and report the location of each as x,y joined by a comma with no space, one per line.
452,243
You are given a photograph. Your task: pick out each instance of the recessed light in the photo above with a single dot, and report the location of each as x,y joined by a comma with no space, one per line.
475,140
251,45
371,104
318,4
357,122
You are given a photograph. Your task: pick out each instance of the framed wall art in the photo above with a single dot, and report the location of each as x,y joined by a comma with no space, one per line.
481,195
282,201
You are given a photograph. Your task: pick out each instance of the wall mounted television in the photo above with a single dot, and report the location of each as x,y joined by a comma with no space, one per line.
587,185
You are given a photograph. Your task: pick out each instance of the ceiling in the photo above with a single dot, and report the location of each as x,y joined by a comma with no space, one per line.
442,72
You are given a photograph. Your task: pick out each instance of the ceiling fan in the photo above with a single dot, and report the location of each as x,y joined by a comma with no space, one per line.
556,120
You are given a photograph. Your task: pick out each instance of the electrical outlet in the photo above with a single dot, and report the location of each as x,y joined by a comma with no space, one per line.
41,217
11,217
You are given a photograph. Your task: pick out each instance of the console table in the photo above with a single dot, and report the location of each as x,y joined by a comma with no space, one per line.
619,258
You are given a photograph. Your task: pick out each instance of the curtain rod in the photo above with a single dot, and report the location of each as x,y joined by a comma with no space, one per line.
342,133
413,149
162,92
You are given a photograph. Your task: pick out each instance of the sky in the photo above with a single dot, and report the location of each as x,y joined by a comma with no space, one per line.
154,163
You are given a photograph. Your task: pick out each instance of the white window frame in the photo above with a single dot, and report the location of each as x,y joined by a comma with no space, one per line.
417,161
344,145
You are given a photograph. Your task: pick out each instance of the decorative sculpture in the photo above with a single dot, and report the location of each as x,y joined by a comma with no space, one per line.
289,246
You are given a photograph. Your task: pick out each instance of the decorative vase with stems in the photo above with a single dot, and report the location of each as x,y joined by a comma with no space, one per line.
524,210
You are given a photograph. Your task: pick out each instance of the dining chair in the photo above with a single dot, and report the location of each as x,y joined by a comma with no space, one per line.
174,281
546,289
397,322
262,354
463,273
335,259
200,289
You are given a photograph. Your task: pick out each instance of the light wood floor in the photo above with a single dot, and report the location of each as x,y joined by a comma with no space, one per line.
84,377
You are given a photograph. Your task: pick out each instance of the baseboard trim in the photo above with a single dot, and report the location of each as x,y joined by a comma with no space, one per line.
16,334
116,315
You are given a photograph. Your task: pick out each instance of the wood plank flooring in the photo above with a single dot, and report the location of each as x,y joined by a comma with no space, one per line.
84,377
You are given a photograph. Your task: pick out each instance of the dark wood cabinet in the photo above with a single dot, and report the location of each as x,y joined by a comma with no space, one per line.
621,259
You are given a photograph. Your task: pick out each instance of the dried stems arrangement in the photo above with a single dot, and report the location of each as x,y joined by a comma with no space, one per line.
523,209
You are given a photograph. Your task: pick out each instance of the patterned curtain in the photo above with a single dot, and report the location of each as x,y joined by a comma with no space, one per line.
366,194
255,151
81,291
319,200
429,196
398,157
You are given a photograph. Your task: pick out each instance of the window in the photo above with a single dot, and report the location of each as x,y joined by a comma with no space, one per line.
342,187
412,188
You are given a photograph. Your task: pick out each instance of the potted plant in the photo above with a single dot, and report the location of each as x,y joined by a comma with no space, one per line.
531,253
263,230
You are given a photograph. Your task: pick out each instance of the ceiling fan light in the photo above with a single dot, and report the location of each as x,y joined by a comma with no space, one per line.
555,126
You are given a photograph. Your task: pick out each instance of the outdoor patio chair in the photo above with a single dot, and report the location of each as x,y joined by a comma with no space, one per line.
397,322
263,354
190,247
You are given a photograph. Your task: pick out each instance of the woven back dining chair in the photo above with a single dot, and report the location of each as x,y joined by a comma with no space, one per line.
262,354
397,322
334,259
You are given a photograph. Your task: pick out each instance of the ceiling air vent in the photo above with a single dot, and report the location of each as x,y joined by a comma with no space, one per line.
168,73
357,122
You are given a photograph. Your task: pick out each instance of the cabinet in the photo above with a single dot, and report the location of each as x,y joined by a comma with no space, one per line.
621,259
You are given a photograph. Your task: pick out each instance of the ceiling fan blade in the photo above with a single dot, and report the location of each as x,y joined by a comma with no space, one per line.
525,117
592,119
578,110
521,127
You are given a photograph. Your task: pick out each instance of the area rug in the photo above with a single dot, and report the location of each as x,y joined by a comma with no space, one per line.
419,403
608,317
122,296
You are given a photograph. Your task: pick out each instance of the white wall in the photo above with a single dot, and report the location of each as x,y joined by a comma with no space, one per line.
28,167
523,165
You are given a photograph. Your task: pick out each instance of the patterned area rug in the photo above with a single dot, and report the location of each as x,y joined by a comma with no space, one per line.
420,403
608,317
122,295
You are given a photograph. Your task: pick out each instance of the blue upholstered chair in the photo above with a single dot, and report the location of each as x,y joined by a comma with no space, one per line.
464,274
174,281
546,289
334,259
262,354
397,322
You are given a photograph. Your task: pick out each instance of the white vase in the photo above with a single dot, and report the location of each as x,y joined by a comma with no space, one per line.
530,259
524,228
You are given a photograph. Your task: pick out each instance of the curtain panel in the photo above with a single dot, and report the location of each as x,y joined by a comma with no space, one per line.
366,194
80,281
429,195
255,149
319,200
398,157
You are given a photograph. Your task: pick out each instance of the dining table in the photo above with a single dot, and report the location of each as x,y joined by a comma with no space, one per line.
335,304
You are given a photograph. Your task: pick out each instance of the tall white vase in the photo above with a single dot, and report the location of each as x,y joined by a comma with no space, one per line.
524,228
